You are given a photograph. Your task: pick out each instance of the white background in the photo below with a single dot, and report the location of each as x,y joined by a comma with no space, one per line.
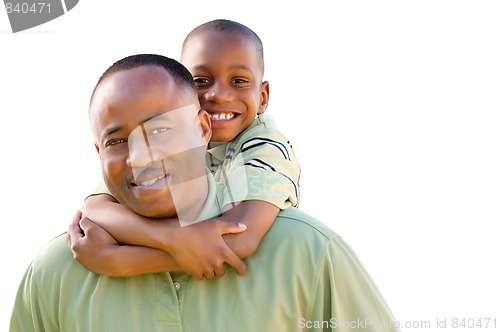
392,106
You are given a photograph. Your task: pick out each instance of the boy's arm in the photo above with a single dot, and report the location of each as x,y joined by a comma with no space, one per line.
192,255
124,225
130,228
96,250
198,249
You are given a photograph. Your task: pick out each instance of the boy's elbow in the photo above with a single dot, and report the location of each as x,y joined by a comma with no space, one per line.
245,249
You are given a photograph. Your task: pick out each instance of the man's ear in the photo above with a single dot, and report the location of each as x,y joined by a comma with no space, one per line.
206,126
264,97
98,150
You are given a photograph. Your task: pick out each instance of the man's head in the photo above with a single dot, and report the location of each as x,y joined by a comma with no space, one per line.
227,63
149,132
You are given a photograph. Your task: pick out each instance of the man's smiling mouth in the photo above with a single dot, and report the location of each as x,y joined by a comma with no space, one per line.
149,183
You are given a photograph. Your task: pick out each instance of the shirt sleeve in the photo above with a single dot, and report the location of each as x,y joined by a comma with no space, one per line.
30,313
100,189
346,296
263,169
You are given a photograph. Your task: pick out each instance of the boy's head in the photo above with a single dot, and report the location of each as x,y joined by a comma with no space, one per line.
227,63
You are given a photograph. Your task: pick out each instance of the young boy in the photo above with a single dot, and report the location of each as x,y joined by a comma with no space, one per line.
248,156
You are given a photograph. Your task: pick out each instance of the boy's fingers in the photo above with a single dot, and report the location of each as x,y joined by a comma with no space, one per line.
231,227
76,220
87,225
220,271
197,276
75,234
233,260
74,231
77,216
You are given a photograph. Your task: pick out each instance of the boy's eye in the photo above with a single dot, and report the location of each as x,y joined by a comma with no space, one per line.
201,81
240,80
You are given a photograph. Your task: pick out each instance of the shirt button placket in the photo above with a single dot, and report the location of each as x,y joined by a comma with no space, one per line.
169,318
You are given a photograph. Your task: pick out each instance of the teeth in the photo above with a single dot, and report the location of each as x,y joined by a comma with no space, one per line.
222,116
150,182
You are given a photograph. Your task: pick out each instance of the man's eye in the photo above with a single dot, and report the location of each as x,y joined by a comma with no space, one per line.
158,130
115,141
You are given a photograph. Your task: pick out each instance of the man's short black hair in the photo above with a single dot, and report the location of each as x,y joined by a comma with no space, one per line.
179,73
222,25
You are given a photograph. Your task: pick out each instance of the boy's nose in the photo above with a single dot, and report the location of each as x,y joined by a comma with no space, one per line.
219,93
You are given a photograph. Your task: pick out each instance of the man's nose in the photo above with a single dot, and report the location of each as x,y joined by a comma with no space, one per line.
140,152
219,93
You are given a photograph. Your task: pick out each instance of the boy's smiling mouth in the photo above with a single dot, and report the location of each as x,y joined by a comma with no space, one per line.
222,116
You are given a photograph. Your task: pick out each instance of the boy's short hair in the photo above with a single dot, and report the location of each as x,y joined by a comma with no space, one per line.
179,73
222,25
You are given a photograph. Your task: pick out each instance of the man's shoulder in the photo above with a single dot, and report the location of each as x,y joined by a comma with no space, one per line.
297,245
298,231
55,255
57,246
293,218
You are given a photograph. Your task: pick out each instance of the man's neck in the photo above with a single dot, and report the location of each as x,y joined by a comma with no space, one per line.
196,192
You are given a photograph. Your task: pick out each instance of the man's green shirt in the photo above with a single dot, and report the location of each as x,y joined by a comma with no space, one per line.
302,277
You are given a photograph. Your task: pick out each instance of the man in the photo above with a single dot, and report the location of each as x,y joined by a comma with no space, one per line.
302,276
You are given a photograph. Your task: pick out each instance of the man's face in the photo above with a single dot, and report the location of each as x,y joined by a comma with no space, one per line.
228,75
151,137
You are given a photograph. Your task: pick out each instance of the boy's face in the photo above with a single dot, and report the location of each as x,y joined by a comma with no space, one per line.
228,76
151,138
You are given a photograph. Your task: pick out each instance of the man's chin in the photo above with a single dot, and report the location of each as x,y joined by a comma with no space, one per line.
154,211
158,214
152,203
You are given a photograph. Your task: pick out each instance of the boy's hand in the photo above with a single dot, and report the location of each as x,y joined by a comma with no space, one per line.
200,250
91,245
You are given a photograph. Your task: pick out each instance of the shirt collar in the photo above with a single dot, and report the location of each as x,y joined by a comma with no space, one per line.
217,152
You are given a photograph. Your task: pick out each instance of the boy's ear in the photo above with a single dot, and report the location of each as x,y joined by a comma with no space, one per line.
206,127
264,97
